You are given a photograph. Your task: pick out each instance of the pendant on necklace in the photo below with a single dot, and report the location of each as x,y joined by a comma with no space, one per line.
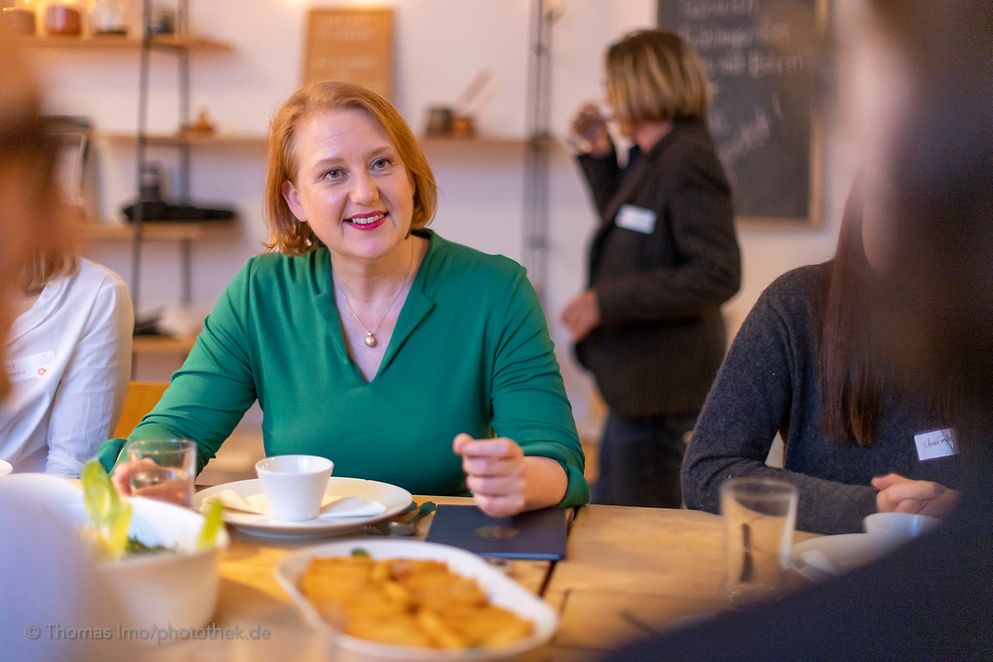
370,339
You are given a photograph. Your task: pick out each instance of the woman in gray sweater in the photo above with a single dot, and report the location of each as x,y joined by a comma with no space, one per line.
858,438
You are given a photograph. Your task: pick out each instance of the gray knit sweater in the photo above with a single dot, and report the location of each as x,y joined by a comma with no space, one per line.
769,382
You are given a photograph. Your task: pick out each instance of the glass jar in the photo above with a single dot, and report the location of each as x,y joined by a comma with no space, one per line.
64,18
163,18
19,16
109,17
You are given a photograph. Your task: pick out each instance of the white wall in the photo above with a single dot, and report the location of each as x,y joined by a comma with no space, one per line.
440,45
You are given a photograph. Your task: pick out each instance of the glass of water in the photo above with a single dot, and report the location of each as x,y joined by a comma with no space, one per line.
163,469
759,520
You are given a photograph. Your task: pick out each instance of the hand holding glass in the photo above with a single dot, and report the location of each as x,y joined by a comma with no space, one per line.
162,469
759,519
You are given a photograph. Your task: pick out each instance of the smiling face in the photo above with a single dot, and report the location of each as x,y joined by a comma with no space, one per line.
351,186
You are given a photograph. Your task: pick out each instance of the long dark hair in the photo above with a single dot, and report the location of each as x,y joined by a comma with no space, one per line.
851,372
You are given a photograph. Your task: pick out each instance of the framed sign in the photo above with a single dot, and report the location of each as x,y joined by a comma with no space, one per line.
72,135
759,56
351,46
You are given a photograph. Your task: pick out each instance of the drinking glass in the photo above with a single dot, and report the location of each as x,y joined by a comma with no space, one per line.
163,469
759,520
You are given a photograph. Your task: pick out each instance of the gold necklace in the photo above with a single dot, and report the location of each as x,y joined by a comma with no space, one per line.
370,339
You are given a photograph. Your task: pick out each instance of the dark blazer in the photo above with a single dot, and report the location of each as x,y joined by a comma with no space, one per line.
661,338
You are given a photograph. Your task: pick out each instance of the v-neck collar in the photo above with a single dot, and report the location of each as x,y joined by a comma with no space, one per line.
415,308
39,311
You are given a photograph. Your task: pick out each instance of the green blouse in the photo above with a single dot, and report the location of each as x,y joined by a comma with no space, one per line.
470,353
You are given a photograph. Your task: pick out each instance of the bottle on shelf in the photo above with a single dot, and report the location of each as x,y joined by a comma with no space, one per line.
164,19
109,17
64,18
19,16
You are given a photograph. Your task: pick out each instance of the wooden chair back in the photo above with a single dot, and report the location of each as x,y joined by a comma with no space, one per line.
138,401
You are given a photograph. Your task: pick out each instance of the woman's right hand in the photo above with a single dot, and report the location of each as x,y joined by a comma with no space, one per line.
589,127
173,491
904,495
121,478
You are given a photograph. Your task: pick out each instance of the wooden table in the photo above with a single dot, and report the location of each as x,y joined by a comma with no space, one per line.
629,572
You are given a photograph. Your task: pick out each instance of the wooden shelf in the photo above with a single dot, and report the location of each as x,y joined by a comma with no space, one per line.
196,43
154,230
162,345
231,139
483,141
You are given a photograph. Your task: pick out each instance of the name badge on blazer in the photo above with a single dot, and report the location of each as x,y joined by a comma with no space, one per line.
635,218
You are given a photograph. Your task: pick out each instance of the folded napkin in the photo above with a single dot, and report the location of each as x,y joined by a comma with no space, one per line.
332,507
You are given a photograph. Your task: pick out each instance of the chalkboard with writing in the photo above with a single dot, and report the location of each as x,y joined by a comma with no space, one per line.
759,58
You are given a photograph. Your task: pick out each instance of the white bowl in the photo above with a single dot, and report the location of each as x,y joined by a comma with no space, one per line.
177,588
5,467
894,529
159,589
501,591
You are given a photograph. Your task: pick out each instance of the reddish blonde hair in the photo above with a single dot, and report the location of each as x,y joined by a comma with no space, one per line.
31,222
291,237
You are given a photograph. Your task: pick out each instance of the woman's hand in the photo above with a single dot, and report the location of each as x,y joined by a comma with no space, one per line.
903,495
121,478
589,129
172,490
495,472
581,315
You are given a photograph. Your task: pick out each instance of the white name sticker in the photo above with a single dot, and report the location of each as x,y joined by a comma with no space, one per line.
634,218
935,444
34,366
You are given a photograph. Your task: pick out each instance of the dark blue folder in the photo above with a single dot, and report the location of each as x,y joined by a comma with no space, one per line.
538,534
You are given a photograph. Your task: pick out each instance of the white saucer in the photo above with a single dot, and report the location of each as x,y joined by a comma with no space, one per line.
394,499
828,556
5,467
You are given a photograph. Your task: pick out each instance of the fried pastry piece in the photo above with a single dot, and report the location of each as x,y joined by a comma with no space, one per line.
486,626
441,632
400,630
408,602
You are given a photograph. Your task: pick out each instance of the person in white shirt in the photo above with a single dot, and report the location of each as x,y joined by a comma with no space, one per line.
45,579
68,360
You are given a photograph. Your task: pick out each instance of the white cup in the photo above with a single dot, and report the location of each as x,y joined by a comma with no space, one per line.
294,485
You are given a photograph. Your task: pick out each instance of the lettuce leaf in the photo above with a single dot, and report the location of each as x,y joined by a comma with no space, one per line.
212,523
109,514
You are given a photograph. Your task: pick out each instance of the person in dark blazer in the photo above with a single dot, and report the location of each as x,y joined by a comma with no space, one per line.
663,260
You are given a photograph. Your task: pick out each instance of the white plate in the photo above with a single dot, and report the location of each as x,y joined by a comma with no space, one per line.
828,556
501,591
393,498
5,467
